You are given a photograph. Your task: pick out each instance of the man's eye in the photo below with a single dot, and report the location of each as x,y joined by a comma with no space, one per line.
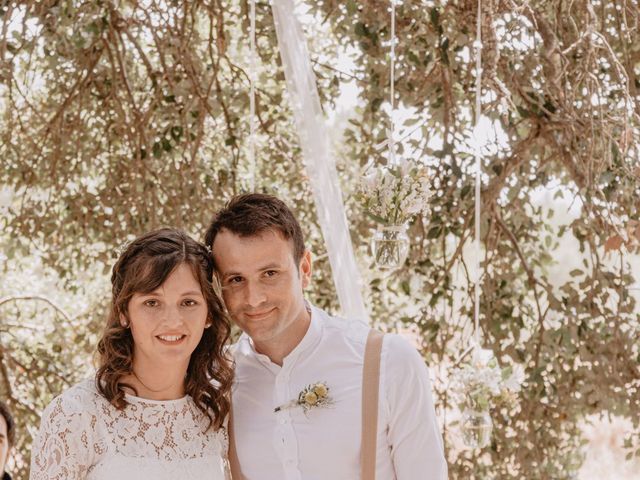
270,273
151,303
234,280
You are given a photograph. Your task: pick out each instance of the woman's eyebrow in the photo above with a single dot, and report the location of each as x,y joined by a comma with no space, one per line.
192,292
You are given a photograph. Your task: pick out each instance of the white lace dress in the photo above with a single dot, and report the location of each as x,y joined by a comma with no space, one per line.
82,436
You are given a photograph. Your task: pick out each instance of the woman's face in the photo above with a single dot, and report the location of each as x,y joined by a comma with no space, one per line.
167,324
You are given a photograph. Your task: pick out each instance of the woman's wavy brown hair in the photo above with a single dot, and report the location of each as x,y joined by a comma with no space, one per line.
142,267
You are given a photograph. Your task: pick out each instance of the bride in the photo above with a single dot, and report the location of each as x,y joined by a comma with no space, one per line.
157,404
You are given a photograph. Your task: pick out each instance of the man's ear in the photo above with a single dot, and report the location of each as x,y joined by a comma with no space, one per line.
305,268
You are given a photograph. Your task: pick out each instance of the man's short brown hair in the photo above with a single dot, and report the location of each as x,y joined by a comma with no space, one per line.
11,425
251,214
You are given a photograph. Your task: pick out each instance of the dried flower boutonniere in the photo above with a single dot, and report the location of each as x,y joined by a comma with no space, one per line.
312,396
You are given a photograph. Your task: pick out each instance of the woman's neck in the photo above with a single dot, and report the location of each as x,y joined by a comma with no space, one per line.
160,382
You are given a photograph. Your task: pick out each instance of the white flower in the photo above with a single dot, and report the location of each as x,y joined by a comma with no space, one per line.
6,198
514,381
371,181
405,167
395,193
482,356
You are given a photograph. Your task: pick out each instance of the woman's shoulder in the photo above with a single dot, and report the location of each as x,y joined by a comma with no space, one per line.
81,398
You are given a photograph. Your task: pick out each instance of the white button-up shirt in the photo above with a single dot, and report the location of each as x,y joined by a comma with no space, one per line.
324,443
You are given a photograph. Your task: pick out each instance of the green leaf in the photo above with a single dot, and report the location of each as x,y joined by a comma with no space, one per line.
93,28
176,133
413,58
434,17
157,149
377,218
434,232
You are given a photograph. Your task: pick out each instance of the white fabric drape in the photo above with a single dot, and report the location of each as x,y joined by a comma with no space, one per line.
312,133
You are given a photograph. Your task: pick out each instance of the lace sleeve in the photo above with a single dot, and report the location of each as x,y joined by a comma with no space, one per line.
62,449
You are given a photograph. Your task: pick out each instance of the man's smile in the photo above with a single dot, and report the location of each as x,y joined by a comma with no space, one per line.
260,315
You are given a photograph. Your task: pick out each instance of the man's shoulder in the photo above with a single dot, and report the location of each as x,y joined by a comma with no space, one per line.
400,349
353,330
403,362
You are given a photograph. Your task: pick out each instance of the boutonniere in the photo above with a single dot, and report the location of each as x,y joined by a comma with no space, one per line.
312,396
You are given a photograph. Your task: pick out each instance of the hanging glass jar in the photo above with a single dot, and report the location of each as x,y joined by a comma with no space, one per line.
476,428
390,246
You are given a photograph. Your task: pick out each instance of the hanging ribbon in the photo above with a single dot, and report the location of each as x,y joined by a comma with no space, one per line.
392,86
478,52
305,103
252,97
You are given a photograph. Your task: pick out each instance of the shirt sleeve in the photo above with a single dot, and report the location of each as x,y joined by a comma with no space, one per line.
62,450
414,436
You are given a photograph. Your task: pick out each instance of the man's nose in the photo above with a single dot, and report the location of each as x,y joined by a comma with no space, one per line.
255,294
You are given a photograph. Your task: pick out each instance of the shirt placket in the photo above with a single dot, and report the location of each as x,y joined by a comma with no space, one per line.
285,433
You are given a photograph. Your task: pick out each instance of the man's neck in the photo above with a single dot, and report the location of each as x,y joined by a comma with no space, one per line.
278,348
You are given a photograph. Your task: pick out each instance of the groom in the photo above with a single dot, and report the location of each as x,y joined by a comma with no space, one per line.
298,393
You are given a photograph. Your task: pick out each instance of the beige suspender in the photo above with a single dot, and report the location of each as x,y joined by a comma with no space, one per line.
370,390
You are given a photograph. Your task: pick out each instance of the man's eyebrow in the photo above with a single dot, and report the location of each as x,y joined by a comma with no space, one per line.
232,273
270,266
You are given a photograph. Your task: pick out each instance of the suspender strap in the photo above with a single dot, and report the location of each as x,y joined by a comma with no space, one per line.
234,464
370,389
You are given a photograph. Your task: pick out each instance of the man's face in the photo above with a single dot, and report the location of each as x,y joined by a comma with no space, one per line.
262,285
4,444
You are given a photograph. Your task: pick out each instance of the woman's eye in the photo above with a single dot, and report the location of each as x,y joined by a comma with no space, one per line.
190,303
151,303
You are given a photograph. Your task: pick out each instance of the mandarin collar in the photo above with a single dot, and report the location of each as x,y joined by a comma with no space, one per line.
309,341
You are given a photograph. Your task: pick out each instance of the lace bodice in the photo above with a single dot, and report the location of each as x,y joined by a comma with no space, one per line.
83,436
